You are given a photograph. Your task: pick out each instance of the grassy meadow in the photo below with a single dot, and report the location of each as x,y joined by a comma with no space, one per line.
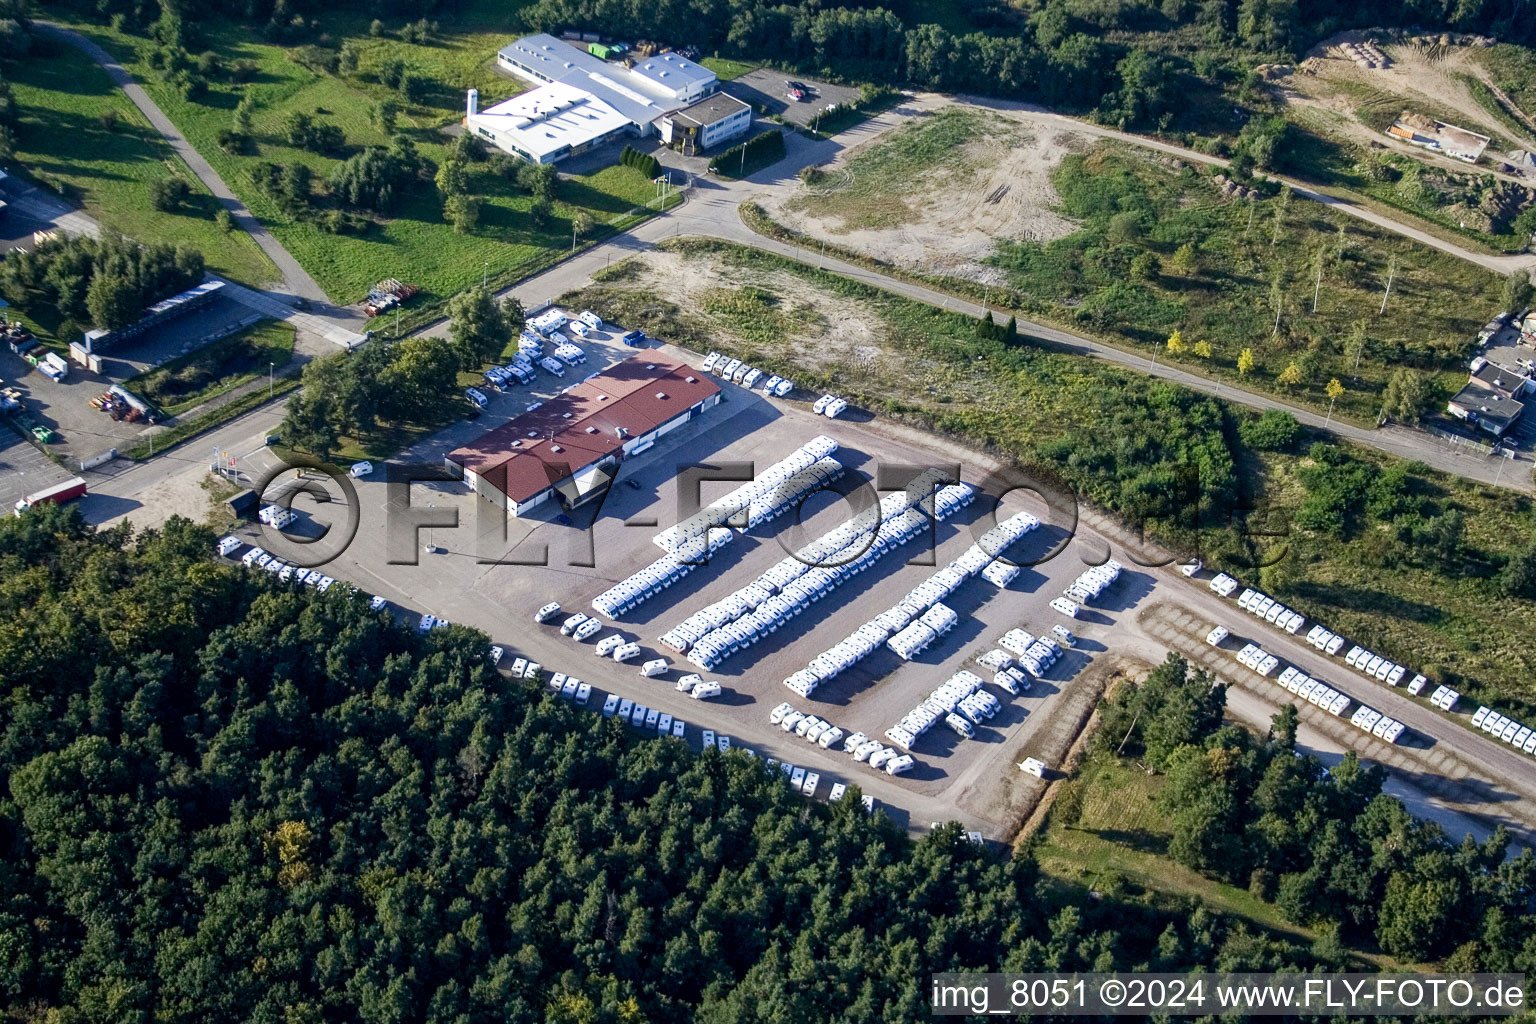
414,243
81,135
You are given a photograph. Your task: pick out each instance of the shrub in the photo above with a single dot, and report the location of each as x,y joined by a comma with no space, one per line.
1273,430
168,194
764,148
390,73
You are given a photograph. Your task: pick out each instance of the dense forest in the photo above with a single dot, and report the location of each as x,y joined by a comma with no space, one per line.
1326,846
1126,59
92,282
222,798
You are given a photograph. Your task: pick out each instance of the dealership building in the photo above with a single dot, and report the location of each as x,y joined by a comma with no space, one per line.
569,448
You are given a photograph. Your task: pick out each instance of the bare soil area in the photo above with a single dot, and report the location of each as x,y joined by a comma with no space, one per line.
1357,102
944,217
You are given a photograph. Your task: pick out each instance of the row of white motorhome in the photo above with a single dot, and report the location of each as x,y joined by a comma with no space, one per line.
961,692
1320,694
830,737
1035,654
1264,607
738,372
1501,727
1090,584
735,508
1373,665
912,624
660,574
796,582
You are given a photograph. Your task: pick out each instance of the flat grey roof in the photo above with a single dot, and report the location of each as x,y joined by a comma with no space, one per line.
1500,378
714,107
1488,404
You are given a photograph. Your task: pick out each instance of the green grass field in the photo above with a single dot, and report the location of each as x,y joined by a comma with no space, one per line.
414,244
216,368
62,139
725,69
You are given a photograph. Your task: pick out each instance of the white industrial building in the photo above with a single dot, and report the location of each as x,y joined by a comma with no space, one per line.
582,101
718,117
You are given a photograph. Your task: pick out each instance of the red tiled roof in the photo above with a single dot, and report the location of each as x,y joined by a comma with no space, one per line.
574,430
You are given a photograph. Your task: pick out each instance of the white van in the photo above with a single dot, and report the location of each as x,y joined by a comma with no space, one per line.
546,613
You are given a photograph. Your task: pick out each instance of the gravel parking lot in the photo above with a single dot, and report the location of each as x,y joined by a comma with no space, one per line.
953,778
764,90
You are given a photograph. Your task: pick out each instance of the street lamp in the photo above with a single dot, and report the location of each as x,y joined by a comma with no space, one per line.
270,368
485,271
431,547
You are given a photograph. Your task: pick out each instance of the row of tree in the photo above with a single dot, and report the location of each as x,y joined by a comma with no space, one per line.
412,382
226,798
1327,846
104,282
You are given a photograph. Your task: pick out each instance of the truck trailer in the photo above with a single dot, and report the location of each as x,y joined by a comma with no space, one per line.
58,494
